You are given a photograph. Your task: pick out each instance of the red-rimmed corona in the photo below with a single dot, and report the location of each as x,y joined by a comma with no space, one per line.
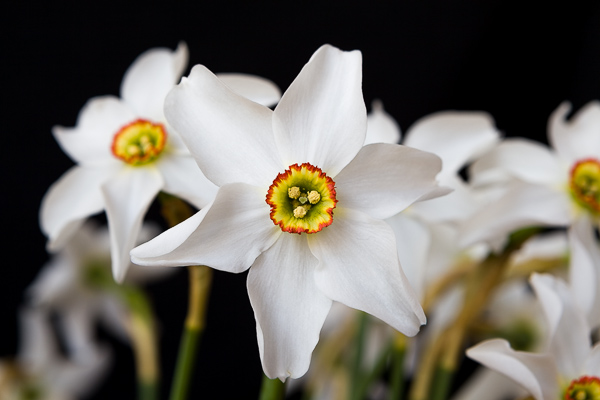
139,142
584,184
302,199
584,388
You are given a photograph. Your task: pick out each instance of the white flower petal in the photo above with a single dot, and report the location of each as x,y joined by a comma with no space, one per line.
383,179
127,197
592,363
183,178
456,206
149,79
457,137
381,127
54,281
522,206
518,158
229,136
90,141
288,306
321,118
535,372
584,270
358,266
37,348
413,240
75,196
489,385
227,235
255,88
577,138
570,340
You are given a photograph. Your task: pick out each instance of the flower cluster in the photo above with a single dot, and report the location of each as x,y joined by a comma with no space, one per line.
350,241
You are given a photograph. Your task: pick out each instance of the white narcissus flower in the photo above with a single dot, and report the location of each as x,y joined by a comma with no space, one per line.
300,200
126,153
41,372
552,187
584,270
74,285
569,368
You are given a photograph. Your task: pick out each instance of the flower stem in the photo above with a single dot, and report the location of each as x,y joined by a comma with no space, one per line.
397,373
355,374
200,278
272,389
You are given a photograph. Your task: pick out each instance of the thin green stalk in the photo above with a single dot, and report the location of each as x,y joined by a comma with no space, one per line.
359,344
397,372
443,379
376,372
147,391
272,389
200,278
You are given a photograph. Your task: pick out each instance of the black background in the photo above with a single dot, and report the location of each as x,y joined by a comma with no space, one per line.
517,62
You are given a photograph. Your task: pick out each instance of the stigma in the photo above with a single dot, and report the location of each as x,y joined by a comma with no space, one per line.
302,199
139,142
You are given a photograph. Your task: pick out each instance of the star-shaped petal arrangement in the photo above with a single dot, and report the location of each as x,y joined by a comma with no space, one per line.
304,254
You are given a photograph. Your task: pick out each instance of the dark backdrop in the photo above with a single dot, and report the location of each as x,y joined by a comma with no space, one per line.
517,63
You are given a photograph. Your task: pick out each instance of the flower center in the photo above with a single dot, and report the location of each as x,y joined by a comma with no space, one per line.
584,388
139,142
585,184
302,199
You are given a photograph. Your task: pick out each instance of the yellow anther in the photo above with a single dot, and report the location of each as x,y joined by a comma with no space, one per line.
580,395
294,192
133,150
299,212
314,197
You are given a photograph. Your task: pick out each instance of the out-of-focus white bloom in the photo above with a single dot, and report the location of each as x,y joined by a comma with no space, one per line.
426,233
381,127
584,270
302,256
40,372
551,187
568,366
126,153
74,284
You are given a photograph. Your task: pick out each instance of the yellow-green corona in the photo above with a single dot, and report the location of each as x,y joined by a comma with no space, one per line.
302,199
584,388
139,142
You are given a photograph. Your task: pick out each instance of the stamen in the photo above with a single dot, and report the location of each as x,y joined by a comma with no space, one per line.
314,197
299,212
294,192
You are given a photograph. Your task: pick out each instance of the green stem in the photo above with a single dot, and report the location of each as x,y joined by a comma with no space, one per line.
185,363
272,389
375,372
143,340
355,373
397,372
147,391
442,381
200,278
